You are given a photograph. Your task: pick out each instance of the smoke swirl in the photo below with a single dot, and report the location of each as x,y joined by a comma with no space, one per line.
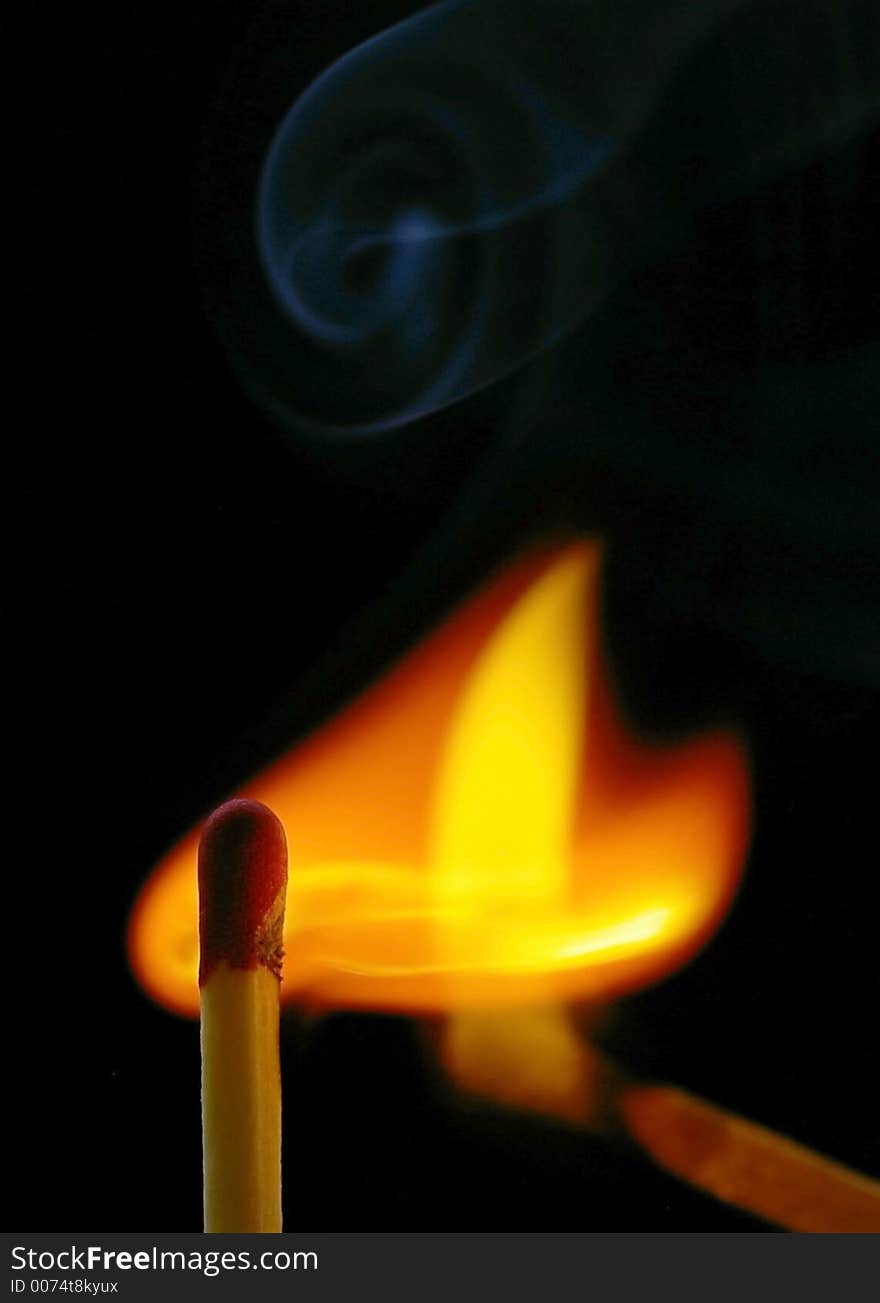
448,198
415,211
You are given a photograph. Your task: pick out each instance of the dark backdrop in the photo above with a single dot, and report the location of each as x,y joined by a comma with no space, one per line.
159,513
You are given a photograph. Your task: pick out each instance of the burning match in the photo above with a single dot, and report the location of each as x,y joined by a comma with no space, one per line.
242,888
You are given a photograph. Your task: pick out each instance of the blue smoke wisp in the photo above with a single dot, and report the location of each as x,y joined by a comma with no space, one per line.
446,199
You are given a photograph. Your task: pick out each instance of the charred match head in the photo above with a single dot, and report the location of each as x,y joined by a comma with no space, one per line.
242,888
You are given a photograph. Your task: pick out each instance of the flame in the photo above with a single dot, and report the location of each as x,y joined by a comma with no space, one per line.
479,829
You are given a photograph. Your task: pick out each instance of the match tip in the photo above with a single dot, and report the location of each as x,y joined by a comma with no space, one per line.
242,888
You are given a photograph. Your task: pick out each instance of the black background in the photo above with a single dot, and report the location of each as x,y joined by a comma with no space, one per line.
165,530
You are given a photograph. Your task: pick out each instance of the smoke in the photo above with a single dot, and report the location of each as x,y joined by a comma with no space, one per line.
432,211
452,196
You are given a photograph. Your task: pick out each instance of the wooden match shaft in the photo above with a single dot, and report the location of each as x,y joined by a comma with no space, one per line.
747,1165
241,1102
737,1161
242,890
537,1061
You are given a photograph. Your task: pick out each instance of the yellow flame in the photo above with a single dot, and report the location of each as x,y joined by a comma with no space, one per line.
478,828
502,823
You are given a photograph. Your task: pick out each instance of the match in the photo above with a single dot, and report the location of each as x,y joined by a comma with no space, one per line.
748,1165
536,1061
242,890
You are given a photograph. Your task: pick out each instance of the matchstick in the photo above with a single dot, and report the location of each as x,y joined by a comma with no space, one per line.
536,1060
748,1165
242,889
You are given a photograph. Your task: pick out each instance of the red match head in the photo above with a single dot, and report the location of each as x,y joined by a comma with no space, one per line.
242,888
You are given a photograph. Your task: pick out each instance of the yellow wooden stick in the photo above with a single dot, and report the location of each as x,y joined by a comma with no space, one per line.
748,1165
535,1059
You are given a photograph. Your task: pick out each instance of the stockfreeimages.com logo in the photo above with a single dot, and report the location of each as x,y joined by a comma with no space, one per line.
211,1262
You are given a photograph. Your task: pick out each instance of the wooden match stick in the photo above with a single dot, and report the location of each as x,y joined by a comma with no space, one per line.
730,1157
242,890
536,1060
748,1165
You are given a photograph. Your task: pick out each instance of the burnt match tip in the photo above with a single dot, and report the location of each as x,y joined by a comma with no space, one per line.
242,888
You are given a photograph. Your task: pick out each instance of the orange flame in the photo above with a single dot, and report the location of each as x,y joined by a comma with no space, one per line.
478,828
